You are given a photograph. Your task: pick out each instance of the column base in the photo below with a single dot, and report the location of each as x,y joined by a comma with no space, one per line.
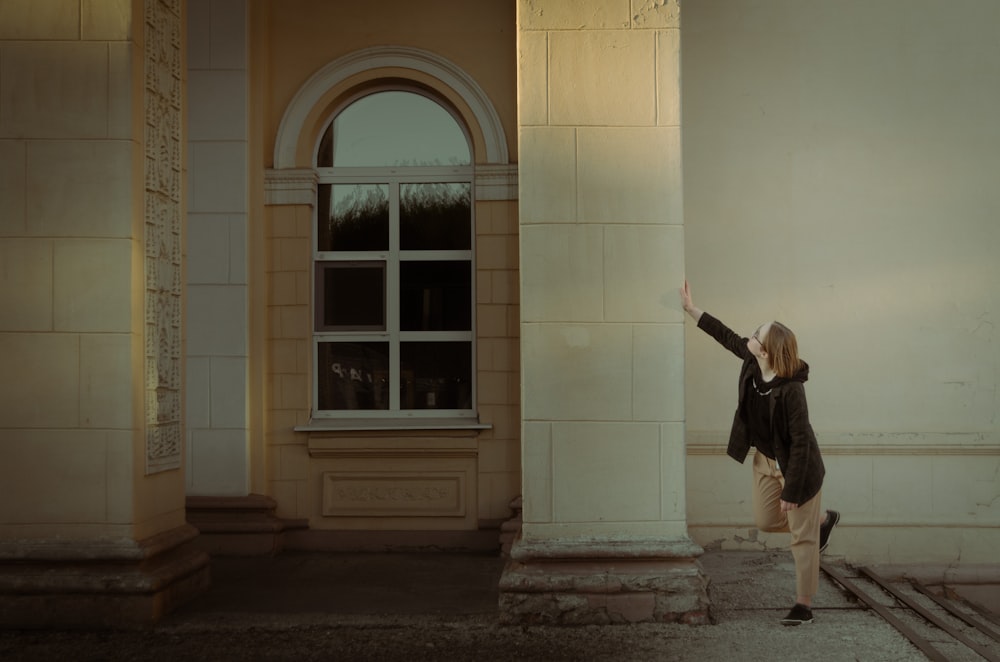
511,529
99,584
599,582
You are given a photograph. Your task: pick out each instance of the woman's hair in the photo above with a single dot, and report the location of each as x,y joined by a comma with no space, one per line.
782,350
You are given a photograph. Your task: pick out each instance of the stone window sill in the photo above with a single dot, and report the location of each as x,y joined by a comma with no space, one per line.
333,425
417,438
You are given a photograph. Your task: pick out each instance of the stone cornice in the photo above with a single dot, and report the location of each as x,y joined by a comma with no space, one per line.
496,182
297,186
290,186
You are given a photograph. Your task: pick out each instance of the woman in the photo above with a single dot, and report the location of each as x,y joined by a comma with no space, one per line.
787,467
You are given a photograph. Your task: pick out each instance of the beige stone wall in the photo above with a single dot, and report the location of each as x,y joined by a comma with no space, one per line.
289,357
306,35
838,175
839,167
297,476
479,469
72,277
498,357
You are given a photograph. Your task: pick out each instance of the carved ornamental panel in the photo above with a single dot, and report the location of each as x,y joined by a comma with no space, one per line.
162,104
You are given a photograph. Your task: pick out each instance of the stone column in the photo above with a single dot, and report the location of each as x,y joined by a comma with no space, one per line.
92,525
604,537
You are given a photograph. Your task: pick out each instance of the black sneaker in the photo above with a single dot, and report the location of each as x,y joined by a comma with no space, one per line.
798,615
826,528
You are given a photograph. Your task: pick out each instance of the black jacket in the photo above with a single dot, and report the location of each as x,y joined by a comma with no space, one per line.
792,436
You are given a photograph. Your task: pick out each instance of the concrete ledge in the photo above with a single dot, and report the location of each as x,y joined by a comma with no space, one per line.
599,582
601,593
247,526
98,610
100,549
239,526
104,585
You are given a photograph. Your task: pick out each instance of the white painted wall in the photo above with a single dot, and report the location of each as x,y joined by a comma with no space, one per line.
841,163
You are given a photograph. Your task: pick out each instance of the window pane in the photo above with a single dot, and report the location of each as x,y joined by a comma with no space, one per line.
353,375
436,375
435,296
393,129
435,216
350,296
353,217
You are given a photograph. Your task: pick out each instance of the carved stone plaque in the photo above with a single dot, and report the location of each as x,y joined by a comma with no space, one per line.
438,494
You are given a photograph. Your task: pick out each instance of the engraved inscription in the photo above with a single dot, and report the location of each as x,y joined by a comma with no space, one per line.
387,495
375,493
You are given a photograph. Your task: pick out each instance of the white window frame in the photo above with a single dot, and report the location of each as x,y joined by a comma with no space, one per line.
394,177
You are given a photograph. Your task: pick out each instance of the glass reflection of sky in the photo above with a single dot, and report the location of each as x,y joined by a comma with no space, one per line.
397,129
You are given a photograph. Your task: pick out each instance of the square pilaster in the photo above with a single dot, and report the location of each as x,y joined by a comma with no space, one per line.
604,537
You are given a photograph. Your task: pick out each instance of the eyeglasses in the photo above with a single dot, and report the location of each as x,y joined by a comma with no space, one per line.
756,337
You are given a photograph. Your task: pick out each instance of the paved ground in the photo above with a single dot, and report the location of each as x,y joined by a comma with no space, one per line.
444,607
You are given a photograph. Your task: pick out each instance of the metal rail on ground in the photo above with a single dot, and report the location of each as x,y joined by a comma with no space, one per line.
929,616
988,653
918,641
947,604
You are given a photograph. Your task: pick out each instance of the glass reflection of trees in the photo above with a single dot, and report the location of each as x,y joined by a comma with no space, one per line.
395,171
435,216
353,217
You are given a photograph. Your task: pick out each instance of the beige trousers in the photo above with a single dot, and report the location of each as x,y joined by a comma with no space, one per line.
802,522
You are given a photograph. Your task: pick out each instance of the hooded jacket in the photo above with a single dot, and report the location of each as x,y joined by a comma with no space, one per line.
792,437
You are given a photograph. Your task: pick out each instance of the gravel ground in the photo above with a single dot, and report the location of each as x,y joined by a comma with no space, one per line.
400,608
844,635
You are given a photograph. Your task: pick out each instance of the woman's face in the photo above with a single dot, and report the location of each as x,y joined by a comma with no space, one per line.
755,343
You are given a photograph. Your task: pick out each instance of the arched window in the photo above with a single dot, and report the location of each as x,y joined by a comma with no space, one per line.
393,238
